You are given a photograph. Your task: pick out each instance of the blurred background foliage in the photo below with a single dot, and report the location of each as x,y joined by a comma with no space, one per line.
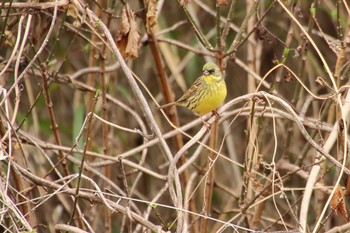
58,66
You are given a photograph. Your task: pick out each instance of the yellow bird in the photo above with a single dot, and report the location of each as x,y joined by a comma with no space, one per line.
205,94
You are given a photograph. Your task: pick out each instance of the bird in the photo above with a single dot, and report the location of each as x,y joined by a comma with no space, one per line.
206,93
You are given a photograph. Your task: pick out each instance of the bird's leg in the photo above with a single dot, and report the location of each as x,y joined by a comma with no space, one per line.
205,123
216,114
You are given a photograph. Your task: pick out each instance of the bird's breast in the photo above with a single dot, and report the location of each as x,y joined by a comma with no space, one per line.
214,96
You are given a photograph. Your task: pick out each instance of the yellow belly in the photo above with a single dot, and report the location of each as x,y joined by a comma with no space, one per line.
216,95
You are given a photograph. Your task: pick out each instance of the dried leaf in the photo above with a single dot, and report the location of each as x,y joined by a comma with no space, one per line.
151,16
72,11
10,39
129,36
134,40
124,25
77,23
338,204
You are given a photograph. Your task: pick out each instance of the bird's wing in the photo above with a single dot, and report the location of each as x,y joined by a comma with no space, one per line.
199,83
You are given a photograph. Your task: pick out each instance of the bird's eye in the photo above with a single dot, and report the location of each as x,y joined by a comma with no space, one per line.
212,71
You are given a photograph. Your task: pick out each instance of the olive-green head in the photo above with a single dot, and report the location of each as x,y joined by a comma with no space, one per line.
211,68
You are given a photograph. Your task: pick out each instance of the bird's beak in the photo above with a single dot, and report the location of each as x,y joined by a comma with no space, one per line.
205,72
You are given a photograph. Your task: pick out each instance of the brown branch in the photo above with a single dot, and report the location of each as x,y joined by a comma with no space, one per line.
87,140
90,197
209,184
36,5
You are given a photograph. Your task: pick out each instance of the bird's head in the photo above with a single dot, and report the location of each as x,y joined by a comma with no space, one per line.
211,68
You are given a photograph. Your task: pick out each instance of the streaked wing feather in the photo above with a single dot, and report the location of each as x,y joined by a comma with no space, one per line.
192,91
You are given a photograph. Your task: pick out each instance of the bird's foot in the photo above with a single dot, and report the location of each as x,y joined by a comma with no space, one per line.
206,124
216,114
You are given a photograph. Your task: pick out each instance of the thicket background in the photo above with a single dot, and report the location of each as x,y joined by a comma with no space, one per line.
83,148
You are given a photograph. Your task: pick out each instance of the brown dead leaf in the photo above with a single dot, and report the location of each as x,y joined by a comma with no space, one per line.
77,23
72,11
124,25
338,204
10,39
129,36
151,16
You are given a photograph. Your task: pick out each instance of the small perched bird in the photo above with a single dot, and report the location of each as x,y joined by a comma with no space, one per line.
205,94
